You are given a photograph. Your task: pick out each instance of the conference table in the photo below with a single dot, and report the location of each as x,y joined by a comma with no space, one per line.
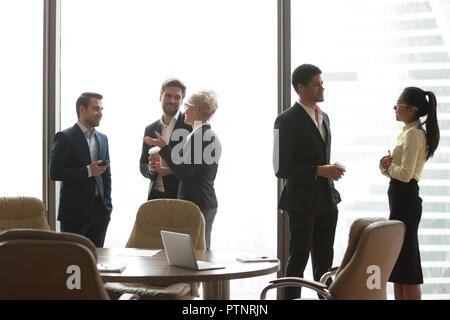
151,267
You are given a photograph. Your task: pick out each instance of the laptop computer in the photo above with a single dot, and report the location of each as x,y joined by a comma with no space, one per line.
180,252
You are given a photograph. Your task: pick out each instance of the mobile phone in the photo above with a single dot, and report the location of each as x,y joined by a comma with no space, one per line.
104,163
257,259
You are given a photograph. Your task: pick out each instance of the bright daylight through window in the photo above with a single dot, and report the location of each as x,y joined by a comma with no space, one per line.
369,52
21,83
125,50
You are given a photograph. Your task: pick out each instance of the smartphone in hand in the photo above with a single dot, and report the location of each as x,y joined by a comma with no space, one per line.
104,163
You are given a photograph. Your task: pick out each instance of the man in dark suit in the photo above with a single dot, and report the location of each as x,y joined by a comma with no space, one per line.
196,163
171,126
79,158
309,197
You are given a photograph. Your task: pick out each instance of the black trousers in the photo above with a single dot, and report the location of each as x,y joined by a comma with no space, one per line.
312,231
95,228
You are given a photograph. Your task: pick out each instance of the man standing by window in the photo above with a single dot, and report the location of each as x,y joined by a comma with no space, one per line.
79,158
163,184
308,195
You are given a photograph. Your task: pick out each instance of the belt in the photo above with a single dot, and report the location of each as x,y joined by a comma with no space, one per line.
157,192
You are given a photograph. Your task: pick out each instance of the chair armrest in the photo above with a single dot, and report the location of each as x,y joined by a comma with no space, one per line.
129,296
330,273
320,288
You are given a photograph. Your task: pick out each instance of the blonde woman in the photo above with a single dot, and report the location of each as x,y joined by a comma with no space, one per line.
195,163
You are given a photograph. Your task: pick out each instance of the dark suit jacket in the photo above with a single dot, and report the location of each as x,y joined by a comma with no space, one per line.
301,149
69,158
170,181
196,167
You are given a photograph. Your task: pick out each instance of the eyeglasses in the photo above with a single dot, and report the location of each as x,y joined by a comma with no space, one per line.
187,106
397,105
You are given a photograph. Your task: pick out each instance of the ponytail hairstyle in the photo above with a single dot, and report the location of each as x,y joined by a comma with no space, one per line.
425,102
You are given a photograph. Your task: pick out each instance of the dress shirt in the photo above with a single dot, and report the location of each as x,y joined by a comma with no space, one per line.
409,156
92,142
166,133
319,123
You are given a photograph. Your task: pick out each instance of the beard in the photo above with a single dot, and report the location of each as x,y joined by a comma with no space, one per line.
170,109
93,123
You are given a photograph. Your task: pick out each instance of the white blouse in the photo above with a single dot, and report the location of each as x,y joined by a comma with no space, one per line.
409,156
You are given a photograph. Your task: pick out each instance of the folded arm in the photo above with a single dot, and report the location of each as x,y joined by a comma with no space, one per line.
405,171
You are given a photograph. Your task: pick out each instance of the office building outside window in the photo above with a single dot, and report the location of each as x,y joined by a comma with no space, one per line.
369,51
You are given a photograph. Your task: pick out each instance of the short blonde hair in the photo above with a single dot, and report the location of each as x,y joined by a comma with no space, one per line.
205,100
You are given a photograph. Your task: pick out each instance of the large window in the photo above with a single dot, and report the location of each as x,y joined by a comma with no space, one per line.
21,86
369,51
126,49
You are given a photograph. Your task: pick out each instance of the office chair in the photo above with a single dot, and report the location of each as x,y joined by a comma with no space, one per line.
38,265
152,217
373,247
22,212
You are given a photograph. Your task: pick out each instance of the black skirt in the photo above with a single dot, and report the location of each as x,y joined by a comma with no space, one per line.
406,205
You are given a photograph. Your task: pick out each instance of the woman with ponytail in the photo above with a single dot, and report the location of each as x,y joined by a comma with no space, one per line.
415,145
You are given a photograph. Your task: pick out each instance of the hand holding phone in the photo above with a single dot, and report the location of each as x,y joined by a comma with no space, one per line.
98,167
104,163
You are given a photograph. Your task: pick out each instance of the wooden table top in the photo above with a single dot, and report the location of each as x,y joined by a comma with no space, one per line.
151,266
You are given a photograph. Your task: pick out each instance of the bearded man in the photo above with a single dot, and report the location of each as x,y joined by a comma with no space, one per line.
171,126
79,158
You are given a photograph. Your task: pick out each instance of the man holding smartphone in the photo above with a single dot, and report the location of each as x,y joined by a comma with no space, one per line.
79,158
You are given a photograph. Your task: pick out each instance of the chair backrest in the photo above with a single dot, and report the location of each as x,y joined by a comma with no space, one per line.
22,212
355,231
167,214
374,245
48,268
32,234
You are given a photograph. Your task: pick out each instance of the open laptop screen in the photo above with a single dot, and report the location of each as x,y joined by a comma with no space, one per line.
180,251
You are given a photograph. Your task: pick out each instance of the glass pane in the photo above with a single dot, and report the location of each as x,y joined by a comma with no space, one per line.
368,52
125,50
21,83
